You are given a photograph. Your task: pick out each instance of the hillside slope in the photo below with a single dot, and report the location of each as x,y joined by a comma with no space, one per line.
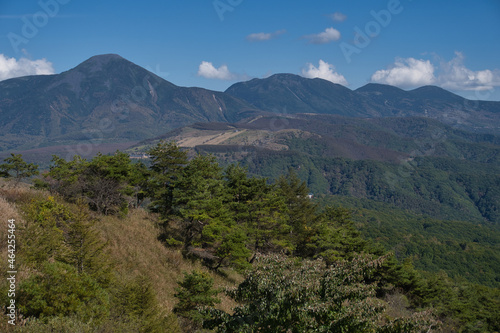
104,99
418,164
134,248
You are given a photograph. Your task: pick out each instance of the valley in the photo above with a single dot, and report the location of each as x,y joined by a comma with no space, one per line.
279,165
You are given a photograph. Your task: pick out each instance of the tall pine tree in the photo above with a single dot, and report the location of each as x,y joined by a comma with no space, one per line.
167,163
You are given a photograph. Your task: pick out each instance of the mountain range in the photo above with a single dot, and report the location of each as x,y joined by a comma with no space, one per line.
108,99
105,98
419,169
427,150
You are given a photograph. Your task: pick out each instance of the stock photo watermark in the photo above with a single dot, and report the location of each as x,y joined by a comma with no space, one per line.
33,23
364,35
120,107
223,6
428,146
12,271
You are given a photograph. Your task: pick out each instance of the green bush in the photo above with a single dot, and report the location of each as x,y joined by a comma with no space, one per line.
58,290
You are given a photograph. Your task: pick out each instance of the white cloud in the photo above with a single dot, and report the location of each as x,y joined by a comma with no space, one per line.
262,36
327,36
338,17
324,71
208,70
455,76
11,67
451,75
406,73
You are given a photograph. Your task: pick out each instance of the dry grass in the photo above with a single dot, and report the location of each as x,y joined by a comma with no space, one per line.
211,139
133,244
9,197
135,247
7,211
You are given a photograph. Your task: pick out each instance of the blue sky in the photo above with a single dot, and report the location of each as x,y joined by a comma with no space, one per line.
213,44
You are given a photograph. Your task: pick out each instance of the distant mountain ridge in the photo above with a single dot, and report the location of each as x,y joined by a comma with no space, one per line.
104,98
110,99
286,93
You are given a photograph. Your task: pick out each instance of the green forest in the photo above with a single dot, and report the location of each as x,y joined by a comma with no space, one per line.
441,187
185,244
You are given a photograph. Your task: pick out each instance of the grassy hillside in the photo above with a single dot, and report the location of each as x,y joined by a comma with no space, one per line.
91,260
134,249
85,269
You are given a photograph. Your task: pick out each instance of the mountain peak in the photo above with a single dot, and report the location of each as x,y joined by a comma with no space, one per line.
290,93
372,87
284,76
106,57
289,78
435,92
98,62
381,92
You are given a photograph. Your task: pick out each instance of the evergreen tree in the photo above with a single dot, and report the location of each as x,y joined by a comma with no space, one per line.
257,207
106,183
195,292
55,231
86,249
198,199
43,233
139,182
17,168
209,230
167,161
135,302
334,236
58,290
267,225
64,176
301,212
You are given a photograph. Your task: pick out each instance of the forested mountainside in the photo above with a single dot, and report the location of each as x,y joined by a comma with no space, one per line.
110,265
417,164
140,206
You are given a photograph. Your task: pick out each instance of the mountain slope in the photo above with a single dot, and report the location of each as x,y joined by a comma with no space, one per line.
108,99
287,93
291,94
414,163
437,103
104,98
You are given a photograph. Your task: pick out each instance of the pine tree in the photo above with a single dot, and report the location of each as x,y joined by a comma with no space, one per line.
87,250
194,292
335,236
258,208
58,290
43,233
198,201
167,163
18,167
301,212
209,229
